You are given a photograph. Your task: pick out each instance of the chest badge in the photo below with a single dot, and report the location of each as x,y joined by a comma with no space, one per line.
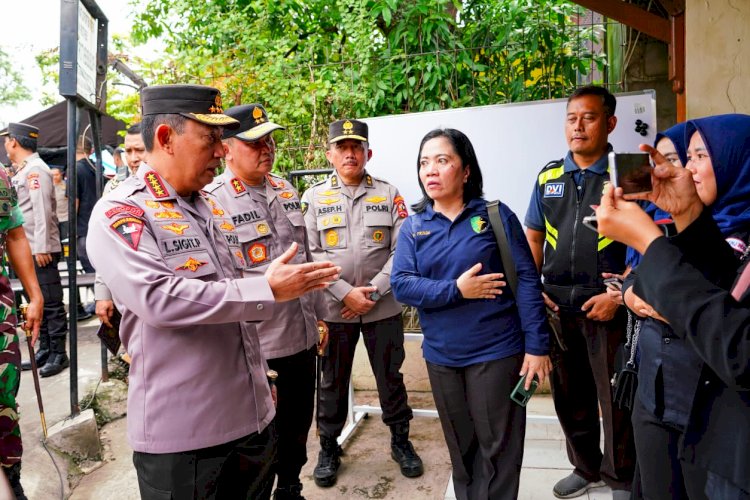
554,190
215,209
168,214
329,201
377,236
478,224
262,228
257,253
226,226
129,229
400,206
286,195
191,265
332,238
176,228
376,199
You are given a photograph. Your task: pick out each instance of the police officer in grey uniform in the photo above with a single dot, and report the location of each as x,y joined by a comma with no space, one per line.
265,211
200,408
36,198
353,219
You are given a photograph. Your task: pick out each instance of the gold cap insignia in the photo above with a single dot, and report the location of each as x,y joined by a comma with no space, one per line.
217,106
348,127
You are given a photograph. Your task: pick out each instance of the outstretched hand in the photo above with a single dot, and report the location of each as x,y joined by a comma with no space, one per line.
289,281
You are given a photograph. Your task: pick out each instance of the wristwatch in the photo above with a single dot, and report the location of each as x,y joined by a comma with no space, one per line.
374,296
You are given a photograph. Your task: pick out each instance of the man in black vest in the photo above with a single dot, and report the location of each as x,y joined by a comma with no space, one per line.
572,259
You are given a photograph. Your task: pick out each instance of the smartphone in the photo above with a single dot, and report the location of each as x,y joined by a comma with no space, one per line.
590,222
521,395
631,172
614,283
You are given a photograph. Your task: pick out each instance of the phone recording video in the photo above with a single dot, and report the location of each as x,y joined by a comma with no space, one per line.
631,172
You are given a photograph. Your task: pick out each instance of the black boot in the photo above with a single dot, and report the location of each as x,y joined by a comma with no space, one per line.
41,355
328,462
291,492
403,452
58,359
13,473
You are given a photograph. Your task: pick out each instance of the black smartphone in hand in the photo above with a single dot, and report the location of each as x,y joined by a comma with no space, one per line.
631,172
520,395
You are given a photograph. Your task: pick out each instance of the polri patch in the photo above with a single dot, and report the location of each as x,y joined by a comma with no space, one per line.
554,190
400,206
129,229
478,224
304,206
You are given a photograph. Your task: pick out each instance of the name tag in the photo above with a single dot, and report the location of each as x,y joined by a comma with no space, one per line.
180,245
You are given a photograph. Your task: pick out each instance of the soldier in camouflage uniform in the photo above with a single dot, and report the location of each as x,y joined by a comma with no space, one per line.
13,238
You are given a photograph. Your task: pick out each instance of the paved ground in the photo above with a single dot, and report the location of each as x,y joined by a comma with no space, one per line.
367,471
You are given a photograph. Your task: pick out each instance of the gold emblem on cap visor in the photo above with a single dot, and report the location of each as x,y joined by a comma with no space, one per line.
258,115
348,127
217,106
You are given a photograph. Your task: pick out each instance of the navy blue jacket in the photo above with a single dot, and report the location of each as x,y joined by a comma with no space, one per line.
432,252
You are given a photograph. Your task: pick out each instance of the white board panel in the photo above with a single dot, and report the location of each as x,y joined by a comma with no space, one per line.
512,141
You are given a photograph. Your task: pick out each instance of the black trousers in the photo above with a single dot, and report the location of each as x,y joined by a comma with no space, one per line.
83,255
580,387
483,428
237,470
384,340
55,322
662,474
295,389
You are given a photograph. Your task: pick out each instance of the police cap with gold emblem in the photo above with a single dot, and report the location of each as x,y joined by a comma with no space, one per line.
254,123
197,102
347,129
21,130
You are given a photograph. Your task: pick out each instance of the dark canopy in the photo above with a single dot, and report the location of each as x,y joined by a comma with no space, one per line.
53,133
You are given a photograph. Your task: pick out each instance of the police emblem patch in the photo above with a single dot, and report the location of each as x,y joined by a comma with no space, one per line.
257,253
478,224
400,206
554,190
304,206
176,228
262,228
191,265
332,238
129,229
377,236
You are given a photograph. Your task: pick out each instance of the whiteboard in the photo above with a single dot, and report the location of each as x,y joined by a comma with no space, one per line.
512,141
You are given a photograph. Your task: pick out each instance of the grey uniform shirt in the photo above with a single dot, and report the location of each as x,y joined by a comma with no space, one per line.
36,198
197,376
357,231
268,219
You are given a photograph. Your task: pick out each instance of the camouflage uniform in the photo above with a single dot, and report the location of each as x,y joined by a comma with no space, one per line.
10,354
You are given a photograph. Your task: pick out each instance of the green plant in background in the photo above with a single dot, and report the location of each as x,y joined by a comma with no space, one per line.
12,89
310,62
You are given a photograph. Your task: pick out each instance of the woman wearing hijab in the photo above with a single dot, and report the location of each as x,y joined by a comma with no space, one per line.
699,309
478,338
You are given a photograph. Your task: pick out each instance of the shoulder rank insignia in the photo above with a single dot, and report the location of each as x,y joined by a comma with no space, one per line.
257,253
271,181
176,228
368,180
376,199
334,181
226,226
400,206
237,186
329,201
156,185
286,195
191,265
168,214
129,229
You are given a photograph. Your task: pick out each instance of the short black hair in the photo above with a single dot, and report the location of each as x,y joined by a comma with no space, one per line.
608,100
465,150
25,142
134,129
150,122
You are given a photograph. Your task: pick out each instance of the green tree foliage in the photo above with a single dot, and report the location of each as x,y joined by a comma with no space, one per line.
313,61
12,89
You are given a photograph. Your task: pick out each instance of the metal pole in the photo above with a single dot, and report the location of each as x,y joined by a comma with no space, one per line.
95,120
72,256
